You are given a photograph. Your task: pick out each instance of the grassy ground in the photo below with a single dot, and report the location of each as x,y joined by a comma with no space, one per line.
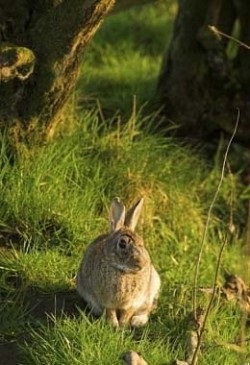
125,58
55,199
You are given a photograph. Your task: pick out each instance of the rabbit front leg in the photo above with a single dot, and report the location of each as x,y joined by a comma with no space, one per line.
112,317
141,316
125,316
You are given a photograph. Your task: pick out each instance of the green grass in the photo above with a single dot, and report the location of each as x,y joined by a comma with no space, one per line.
125,57
55,200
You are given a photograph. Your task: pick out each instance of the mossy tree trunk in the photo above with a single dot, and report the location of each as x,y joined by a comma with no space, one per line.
42,43
204,77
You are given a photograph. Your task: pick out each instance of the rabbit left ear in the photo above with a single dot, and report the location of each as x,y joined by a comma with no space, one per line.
116,214
133,215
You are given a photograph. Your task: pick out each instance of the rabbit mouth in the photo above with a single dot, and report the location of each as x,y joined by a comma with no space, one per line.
126,268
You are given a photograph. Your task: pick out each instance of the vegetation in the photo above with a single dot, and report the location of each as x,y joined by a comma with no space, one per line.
55,199
204,76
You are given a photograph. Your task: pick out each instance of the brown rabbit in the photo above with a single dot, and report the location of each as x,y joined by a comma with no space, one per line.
116,273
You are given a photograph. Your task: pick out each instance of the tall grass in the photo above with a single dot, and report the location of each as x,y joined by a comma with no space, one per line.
125,57
55,201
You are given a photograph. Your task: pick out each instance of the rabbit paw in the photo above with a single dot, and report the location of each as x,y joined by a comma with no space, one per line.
112,317
139,320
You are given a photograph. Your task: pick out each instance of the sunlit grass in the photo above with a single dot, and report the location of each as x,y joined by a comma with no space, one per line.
81,341
55,200
125,57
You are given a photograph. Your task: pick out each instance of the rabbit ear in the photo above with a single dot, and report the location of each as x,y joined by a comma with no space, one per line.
133,215
116,214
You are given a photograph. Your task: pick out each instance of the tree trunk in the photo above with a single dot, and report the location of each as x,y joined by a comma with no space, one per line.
200,85
42,43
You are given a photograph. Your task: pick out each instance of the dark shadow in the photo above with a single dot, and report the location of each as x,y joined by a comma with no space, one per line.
17,232
37,307
101,88
9,353
42,306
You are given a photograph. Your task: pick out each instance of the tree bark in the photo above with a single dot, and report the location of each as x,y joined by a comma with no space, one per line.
42,43
199,86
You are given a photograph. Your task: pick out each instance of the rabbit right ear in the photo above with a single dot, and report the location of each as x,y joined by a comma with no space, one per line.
116,214
133,214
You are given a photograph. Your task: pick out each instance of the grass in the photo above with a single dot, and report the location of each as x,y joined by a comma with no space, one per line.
125,57
55,200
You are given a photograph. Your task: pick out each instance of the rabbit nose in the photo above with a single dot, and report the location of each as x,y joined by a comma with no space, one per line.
137,258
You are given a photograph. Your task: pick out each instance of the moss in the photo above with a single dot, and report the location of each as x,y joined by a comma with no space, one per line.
18,62
55,33
59,38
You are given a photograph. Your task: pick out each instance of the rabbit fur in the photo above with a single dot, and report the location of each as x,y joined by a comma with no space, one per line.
116,274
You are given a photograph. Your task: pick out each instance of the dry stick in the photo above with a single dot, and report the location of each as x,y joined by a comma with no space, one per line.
231,225
218,32
209,214
242,44
195,356
205,234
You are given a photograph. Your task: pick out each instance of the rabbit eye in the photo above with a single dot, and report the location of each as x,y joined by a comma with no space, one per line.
123,243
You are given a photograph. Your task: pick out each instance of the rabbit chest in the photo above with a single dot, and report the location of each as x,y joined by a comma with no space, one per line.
120,289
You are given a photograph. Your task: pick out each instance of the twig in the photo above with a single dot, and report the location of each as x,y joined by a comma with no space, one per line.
202,329
194,333
210,211
231,225
218,32
194,360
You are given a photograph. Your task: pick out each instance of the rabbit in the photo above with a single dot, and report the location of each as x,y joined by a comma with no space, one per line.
116,274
